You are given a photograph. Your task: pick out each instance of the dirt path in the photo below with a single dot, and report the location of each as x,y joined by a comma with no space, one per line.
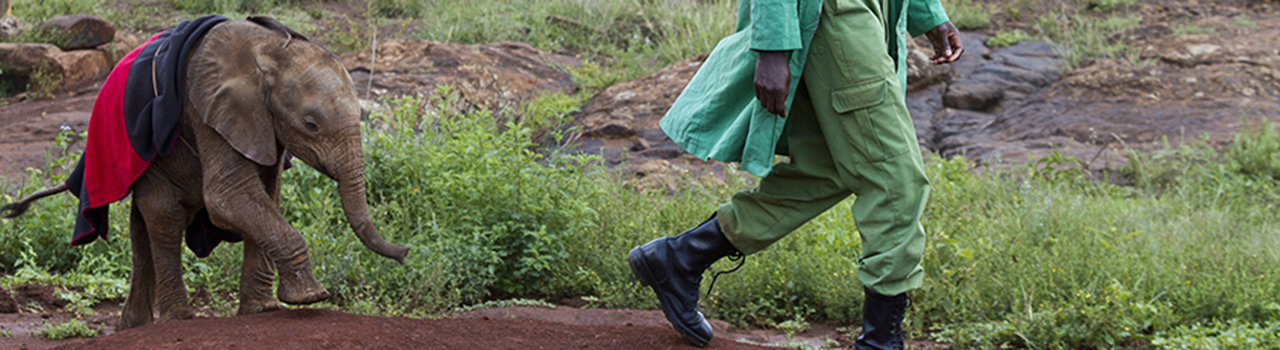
328,329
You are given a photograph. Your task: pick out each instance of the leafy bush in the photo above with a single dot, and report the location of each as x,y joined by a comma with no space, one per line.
1221,335
72,329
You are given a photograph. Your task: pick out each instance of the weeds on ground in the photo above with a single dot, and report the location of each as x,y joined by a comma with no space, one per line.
1086,36
36,12
44,80
1185,29
1004,39
967,14
1109,5
1242,21
71,329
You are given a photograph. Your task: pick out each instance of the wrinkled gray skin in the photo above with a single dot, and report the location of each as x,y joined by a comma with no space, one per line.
251,92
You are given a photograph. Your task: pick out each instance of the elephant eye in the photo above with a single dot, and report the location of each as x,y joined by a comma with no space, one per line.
312,126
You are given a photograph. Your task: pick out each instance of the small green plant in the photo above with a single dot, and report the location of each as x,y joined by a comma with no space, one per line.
967,14
4,334
1221,335
1256,150
44,80
1109,5
1004,39
397,8
793,326
71,329
1194,29
1242,21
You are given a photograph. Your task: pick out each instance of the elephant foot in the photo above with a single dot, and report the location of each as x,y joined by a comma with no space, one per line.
300,288
128,321
253,307
183,313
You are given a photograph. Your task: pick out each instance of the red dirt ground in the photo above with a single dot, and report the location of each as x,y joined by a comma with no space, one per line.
328,329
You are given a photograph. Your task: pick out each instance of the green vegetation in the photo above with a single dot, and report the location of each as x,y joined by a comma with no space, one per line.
72,329
1194,29
1004,39
36,12
1243,21
1086,36
1042,256
1109,5
968,15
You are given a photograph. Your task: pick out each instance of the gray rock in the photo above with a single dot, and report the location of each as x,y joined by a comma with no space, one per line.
974,95
78,31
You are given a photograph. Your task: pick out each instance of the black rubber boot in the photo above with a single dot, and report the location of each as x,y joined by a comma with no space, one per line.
673,267
882,321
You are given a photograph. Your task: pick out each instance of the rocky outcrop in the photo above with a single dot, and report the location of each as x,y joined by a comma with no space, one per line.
621,122
488,77
1012,73
76,32
71,70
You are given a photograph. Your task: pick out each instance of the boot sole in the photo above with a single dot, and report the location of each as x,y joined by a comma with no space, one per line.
641,270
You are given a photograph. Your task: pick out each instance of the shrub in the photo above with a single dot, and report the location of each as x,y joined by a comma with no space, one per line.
71,329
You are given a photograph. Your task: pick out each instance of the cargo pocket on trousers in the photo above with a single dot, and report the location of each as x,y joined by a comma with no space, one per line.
856,108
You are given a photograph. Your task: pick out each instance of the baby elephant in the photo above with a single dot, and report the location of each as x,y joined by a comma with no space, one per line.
250,90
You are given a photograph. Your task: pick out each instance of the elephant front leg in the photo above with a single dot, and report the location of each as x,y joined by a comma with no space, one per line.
256,275
244,207
142,281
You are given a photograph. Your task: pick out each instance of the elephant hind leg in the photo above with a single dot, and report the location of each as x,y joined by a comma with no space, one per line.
142,282
166,219
256,275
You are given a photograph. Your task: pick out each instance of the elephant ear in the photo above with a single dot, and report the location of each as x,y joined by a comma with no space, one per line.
228,88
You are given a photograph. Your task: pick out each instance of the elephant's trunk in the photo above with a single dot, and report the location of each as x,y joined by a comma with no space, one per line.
351,188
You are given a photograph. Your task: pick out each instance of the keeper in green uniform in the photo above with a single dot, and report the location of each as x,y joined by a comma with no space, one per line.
821,81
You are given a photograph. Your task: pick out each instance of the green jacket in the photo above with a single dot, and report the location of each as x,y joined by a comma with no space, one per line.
717,115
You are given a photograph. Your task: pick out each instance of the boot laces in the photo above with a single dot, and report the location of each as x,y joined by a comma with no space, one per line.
735,256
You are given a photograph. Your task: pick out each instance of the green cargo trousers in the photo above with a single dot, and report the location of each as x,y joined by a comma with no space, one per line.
848,132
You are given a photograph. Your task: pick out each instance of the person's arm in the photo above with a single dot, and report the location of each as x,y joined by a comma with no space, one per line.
775,32
930,18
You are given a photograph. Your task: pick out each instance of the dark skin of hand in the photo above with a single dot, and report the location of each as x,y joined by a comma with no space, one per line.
773,73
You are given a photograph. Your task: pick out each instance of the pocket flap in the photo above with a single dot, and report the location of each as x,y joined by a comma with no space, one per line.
859,96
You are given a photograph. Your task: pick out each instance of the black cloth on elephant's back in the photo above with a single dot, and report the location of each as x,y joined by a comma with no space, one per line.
149,82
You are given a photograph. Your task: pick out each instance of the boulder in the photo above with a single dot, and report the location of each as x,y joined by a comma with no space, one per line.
74,69
1011,74
119,46
78,31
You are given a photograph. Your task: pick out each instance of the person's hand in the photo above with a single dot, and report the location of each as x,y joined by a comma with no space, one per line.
773,81
946,43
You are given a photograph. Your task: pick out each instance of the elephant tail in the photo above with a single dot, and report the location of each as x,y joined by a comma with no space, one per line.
13,210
